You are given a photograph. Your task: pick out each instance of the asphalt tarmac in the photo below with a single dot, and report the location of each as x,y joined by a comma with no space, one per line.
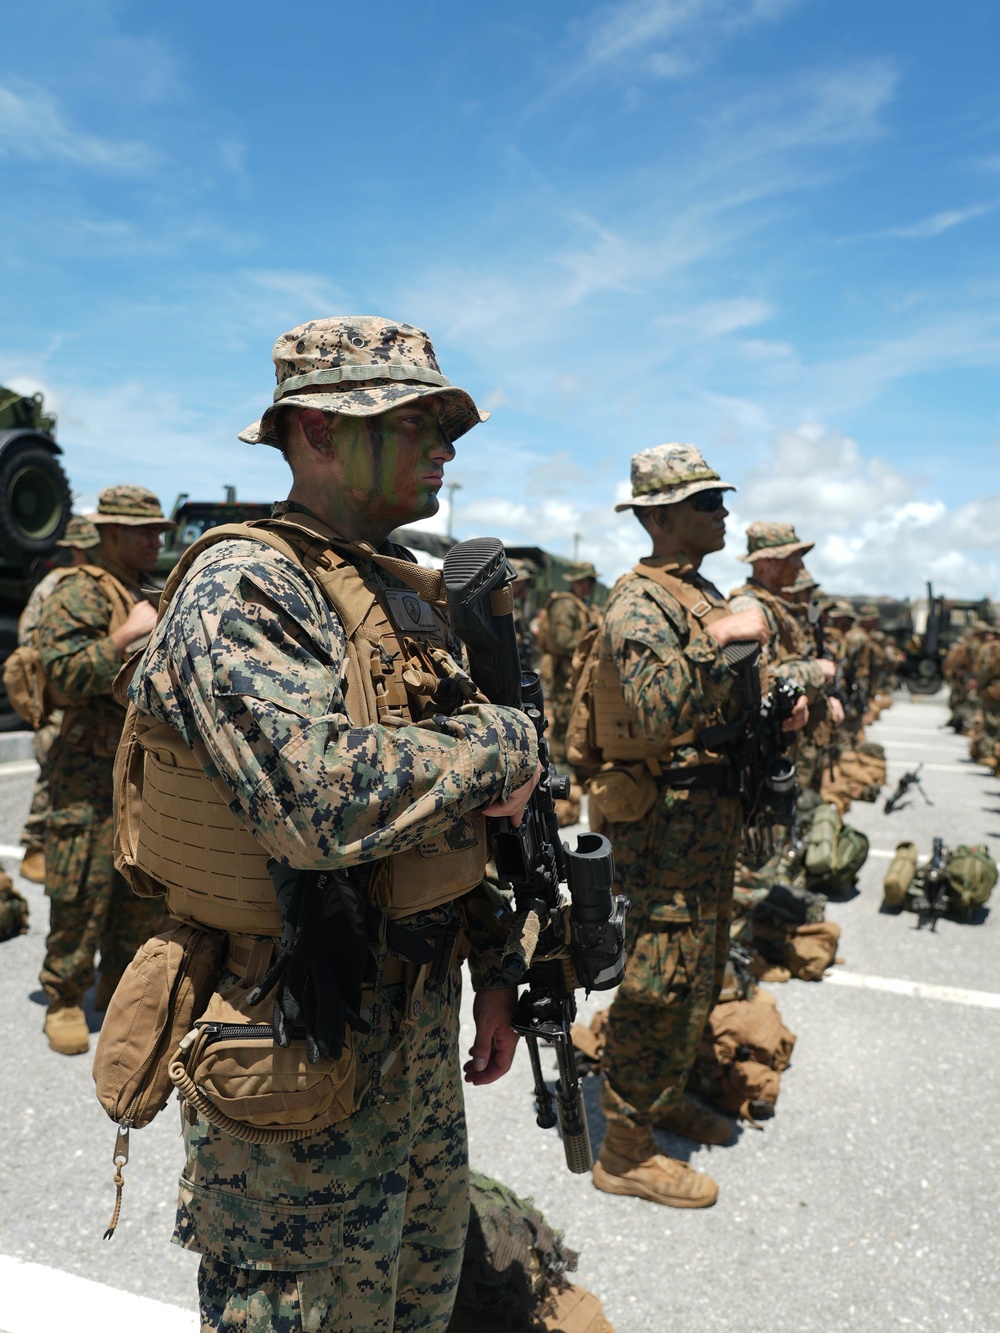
868,1203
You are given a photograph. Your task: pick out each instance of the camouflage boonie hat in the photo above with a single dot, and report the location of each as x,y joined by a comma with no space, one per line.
669,473
360,365
837,609
80,532
581,570
804,582
772,541
131,506
525,572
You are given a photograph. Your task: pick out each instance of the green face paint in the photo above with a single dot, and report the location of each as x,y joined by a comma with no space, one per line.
393,464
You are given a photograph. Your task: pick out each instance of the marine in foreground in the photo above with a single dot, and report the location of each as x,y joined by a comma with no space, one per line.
334,740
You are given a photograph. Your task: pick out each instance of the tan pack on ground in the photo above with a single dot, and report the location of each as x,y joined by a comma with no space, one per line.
899,876
740,1058
859,775
30,694
811,949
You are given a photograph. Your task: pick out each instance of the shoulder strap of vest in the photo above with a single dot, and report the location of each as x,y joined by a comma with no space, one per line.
692,598
117,595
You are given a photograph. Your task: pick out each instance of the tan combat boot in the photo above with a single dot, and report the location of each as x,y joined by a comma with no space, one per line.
631,1163
33,865
696,1122
66,1028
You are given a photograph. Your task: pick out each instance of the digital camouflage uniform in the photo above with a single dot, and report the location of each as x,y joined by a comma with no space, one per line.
362,1225
82,534
790,651
91,907
676,865
567,618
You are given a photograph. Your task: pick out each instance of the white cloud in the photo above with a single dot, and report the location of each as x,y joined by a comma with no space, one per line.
33,125
871,534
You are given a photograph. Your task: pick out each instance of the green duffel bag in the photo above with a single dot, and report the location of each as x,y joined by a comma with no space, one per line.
852,853
821,842
972,873
899,876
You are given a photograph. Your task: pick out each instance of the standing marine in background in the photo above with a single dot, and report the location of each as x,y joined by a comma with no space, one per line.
79,539
87,627
775,554
565,619
674,816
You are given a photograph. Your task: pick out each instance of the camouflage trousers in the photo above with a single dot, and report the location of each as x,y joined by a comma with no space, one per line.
91,907
677,868
33,833
557,707
362,1226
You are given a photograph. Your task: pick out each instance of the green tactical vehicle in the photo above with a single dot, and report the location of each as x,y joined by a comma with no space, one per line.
191,518
35,507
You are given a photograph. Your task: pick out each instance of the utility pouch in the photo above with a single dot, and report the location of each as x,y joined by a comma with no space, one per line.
623,794
229,1068
24,681
68,836
169,980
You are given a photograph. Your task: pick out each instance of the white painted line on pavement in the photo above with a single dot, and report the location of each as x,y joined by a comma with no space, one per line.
38,1299
920,990
6,853
890,743
977,770
18,767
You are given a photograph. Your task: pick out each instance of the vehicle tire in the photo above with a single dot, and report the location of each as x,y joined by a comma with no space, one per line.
35,500
923,684
9,720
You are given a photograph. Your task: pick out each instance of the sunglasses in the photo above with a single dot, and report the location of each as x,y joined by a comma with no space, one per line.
707,502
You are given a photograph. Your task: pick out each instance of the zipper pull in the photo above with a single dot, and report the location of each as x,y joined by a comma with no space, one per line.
119,1159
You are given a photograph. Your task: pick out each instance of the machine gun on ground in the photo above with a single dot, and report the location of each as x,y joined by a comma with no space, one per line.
908,780
932,900
553,946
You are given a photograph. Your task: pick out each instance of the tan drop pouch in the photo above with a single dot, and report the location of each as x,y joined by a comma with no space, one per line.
623,794
167,983
231,1070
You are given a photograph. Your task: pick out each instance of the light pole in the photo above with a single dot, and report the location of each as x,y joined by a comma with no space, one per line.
451,487
576,546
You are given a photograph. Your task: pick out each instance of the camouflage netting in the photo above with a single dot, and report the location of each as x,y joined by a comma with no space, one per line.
515,1263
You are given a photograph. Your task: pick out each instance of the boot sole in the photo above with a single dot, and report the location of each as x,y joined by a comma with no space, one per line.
69,1050
608,1184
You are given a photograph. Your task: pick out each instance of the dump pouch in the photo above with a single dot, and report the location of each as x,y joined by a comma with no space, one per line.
623,794
167,983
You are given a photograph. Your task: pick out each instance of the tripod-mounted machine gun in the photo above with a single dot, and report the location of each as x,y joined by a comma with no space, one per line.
554,945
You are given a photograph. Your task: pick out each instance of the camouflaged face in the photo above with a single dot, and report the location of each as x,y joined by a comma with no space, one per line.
360,365
773,541
81,532
131,506
670,473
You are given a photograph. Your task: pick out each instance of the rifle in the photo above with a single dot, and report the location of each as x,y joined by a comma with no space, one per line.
904,784
932,900
552,947
758,747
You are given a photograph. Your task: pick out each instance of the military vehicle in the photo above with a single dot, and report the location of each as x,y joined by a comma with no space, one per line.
35,506
191,518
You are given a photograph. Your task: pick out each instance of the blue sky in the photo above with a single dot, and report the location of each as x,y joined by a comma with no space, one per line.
768,227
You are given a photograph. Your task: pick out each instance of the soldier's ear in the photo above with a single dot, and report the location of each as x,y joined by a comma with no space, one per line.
317,427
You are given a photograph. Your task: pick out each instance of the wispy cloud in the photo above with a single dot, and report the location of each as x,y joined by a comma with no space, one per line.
33,125
935,225
661,38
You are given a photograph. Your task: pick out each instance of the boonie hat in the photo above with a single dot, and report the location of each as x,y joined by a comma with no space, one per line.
581,570
772,541
131,506
80,532
803,582
669,473
360,365
525,572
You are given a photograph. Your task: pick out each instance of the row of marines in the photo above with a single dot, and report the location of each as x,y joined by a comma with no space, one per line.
312,721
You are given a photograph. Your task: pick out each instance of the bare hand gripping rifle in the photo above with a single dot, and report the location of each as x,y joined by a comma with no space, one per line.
553,947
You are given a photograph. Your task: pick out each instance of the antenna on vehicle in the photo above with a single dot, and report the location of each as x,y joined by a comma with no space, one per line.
230,494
